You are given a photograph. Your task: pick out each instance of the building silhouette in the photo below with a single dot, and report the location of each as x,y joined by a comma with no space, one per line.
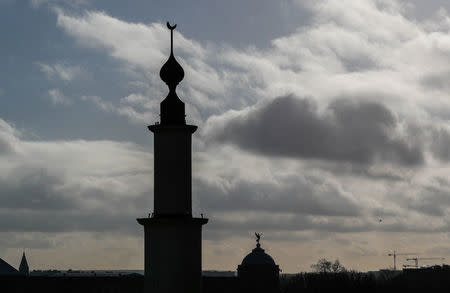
173,239
258,271
23,267
6,269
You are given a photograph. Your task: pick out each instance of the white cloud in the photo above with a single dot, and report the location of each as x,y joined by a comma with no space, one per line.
57,193
348,50
98,101
362,50
8,137
73,179
126,107
146,47
136,43
57,97
61,70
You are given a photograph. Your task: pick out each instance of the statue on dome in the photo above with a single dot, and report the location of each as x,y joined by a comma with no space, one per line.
258,237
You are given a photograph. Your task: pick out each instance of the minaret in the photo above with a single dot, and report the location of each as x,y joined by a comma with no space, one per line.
173,238
23,267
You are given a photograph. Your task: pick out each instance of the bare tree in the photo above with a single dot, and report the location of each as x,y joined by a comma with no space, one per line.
337,267
326,266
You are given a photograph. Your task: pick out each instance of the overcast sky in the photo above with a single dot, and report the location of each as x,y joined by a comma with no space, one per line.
316,120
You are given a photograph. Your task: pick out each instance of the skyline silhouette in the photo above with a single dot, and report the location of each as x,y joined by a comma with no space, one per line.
322,126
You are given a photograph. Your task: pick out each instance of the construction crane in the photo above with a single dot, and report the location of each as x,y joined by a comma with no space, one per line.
395,257
416,260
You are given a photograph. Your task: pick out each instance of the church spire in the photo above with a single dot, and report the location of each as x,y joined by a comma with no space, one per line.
172,108
23,268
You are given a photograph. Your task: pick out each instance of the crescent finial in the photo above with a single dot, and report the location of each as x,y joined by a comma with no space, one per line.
171,36
171,27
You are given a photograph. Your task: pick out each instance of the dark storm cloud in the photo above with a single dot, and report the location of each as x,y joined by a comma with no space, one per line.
225,226
232,225
280,228
431,200
357,132
32,240
349,169
33,189
440,143
436,80
443,182
294,223
67,186
75,221
34,200
289,195
42,211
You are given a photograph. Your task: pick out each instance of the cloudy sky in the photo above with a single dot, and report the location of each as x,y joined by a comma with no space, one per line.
316,120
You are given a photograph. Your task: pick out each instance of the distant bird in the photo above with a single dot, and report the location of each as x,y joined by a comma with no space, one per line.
201,215
380,220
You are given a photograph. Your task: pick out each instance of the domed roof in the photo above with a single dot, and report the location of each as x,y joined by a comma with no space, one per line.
258,257
172,108
171,72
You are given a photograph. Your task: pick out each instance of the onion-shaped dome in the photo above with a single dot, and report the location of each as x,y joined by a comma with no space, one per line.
171,72
172,108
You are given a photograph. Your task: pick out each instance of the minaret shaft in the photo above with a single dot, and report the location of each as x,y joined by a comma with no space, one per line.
173,170
173,238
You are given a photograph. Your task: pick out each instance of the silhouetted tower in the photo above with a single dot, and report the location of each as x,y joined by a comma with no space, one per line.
258,272
23,267
173,238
